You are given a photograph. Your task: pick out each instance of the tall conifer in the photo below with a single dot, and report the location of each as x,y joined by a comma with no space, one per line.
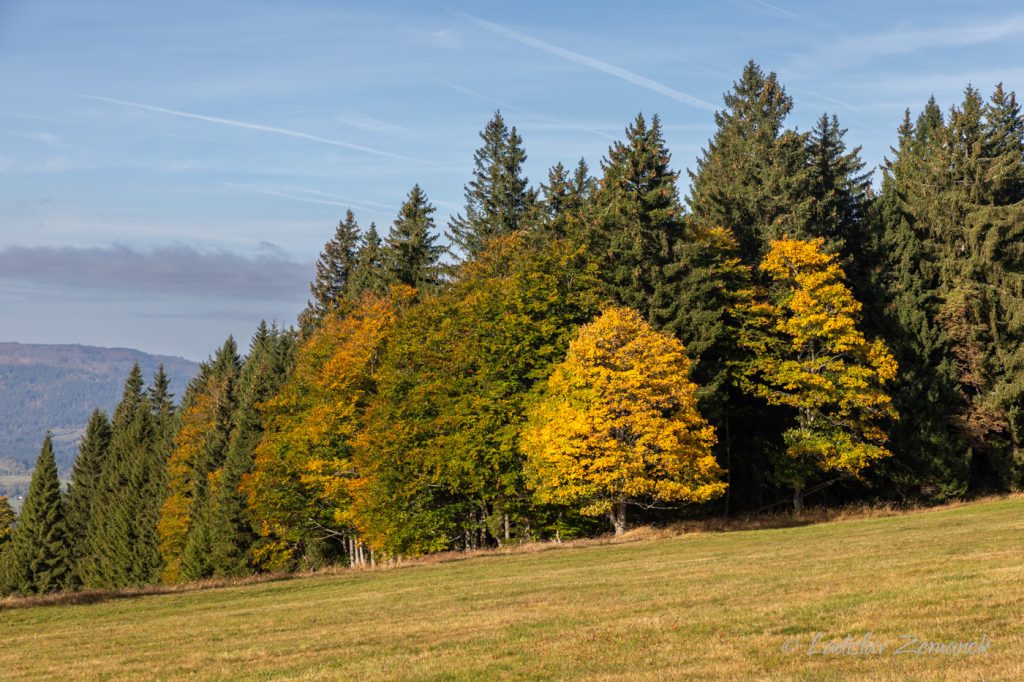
83,492
37,560
754,175
498,198
412,255
334,271
636,216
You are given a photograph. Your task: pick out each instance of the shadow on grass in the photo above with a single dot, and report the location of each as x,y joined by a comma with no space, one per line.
93,596
680,529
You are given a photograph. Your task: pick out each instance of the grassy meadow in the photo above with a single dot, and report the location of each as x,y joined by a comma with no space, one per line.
737,605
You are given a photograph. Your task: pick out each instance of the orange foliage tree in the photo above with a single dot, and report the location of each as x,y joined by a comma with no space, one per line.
298,489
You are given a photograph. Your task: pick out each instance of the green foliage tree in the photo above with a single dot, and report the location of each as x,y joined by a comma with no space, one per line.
335,269
122,534
499,200
411,252
370,273
754,176
636,216
37,560
82,494
438,463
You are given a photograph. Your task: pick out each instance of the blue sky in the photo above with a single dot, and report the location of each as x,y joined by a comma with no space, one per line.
169,171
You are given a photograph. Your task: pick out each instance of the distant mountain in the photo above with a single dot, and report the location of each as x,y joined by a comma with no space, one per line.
56,387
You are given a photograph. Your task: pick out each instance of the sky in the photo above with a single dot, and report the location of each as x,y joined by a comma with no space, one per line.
170,171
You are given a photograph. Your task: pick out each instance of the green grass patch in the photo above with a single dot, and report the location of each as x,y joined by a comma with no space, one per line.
720,605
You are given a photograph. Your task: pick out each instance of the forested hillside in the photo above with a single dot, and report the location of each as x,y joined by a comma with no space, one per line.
55,387
596,350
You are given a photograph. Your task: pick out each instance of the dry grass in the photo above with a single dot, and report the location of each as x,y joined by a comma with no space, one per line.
705,601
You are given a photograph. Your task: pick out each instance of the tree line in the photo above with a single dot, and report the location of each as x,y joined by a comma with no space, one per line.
597,350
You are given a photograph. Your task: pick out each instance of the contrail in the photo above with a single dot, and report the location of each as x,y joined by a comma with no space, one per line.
503,105
251,126
611,70
783,12
310,200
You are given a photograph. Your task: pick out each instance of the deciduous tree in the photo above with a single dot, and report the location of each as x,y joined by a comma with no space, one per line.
808,354
619,425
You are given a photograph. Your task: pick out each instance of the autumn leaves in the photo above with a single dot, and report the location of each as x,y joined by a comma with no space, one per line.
619,424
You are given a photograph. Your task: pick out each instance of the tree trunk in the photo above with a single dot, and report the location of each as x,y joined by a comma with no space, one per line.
507,534
618,517
798,499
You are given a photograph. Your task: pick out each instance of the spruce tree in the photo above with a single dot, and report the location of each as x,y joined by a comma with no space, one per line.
953,295
200,449
38,557
195,560
7,523
82,494
498,198
123,532
754,177
839,191
161,402
976,227
370,273
232,532
563,202
636,217
412,255
334,271
7,519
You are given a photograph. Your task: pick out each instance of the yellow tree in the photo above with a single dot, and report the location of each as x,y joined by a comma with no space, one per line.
299,487
200,446
618,424
807,353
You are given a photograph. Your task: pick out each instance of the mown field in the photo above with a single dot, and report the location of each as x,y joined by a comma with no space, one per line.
738,605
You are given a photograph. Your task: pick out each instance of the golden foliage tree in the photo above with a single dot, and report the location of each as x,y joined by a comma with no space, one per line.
299,486
200,446
618,424
808,354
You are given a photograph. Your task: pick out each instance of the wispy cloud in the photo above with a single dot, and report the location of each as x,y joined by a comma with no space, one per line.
539,121
372,125
387,207
47,139
57,164
323,198
598,65
252,126
775,8
444,38
859,49
166,270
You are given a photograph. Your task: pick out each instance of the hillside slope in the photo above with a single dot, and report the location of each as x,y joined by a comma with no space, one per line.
729,605
55,387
